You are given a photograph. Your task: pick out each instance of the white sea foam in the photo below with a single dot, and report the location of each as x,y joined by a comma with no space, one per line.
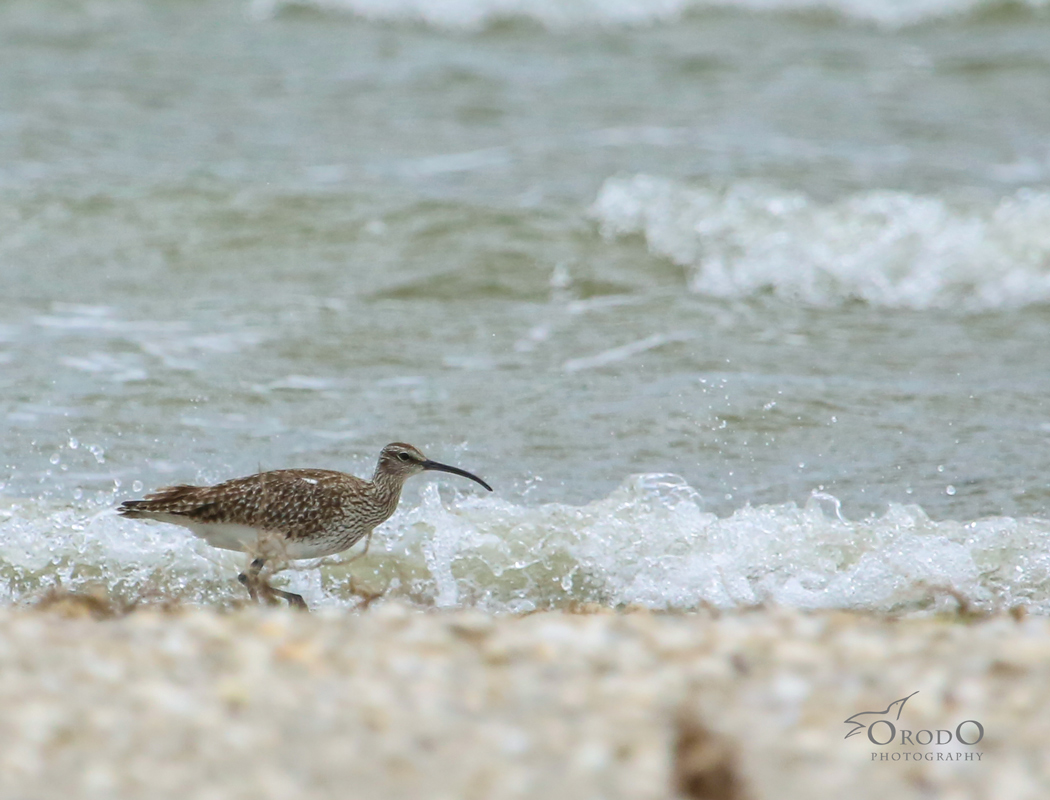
889,249
567,14
650,542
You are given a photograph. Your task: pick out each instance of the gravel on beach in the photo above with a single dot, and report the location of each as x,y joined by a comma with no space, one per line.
398,702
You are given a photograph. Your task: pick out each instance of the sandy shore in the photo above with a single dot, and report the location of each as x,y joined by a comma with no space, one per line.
394,702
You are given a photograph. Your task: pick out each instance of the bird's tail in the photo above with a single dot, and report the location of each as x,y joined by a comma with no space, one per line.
169,500
130,508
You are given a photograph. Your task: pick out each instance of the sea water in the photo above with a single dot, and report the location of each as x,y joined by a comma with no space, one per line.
733,303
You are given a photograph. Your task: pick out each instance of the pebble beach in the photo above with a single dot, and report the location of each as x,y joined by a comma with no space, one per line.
398,702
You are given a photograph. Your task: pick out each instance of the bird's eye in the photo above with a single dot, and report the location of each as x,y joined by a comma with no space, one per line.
404,456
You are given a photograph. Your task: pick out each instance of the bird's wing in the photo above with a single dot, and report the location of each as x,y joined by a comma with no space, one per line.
287,500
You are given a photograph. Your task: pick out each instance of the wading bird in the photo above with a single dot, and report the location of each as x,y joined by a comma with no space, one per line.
288,514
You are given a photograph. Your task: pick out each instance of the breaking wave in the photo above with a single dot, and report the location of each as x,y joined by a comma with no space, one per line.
649,543
889,249
568,14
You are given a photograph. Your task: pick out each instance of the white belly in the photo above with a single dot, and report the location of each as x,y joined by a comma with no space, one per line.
220,534
246,539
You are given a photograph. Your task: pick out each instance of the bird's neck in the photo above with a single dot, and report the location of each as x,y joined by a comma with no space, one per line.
387,488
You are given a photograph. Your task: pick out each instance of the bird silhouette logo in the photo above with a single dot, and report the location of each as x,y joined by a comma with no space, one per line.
863,719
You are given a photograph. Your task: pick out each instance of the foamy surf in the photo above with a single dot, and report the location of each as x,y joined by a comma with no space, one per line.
889,249
649,543
470,15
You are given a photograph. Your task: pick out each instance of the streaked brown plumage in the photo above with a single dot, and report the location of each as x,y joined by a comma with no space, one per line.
290,513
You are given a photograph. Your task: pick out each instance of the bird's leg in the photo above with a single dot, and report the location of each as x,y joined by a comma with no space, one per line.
257,587
363,553
250,579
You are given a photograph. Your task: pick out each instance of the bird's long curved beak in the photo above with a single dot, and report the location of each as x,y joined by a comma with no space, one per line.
439,467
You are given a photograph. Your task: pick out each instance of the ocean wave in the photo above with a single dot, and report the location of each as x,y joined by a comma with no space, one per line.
649,543
472,15
890,249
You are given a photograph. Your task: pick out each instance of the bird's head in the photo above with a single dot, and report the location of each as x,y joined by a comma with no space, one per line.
401,461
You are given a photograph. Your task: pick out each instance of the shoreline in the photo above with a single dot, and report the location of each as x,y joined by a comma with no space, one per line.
400,702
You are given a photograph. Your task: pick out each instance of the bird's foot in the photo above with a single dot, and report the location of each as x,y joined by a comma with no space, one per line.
294,600
259,589
366,596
